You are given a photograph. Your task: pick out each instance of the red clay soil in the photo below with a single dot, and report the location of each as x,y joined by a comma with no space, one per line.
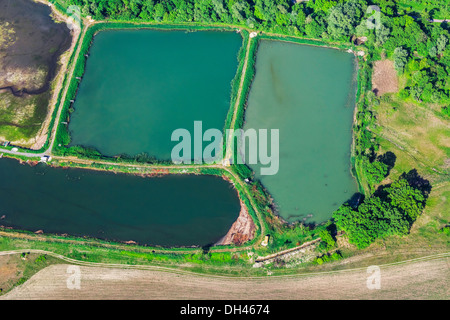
242,230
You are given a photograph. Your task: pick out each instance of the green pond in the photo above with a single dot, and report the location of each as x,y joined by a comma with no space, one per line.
172,210
308,93
141,85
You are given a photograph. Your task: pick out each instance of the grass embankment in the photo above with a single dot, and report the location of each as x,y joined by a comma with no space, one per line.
185,259
242,83
235,83
361,140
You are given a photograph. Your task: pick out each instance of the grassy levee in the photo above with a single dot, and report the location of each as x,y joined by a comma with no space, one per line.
84,251
246,85
20,157
359,126
235,83
306,41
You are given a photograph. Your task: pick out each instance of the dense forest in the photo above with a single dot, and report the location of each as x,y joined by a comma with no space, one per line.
418,47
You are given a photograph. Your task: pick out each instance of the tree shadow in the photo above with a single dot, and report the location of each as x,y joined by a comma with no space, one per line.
356,199
206,248
433,12
418,182
388,159
332,229
414,180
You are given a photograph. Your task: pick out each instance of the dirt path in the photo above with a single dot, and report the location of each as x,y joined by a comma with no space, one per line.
414,279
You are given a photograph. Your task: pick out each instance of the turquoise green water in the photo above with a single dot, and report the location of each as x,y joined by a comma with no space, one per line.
173,210
140,85
308,94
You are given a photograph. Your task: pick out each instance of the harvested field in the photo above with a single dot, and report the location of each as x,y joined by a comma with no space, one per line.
384,78
413,280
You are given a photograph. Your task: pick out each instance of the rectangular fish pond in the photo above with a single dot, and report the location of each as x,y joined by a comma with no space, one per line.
172,210
308,93
141,85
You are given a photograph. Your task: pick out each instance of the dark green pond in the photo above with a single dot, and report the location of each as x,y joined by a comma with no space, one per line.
173,210
308,93
141,85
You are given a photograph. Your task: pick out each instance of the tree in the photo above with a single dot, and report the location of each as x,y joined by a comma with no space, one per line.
327,241
400,59
343,18
220,10
441,43
374,171
159,12
433,52
406,198
382,34
239,11
314,27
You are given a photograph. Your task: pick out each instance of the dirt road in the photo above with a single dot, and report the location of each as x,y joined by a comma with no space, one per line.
416,279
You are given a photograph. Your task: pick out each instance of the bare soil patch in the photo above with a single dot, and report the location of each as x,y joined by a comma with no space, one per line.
384,78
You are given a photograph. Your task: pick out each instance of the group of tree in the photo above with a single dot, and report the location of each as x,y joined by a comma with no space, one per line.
391,210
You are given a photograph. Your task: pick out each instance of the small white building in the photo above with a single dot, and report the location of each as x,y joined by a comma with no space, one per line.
45,159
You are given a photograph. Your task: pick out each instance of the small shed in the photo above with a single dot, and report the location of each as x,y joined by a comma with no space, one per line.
265,242
45,159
